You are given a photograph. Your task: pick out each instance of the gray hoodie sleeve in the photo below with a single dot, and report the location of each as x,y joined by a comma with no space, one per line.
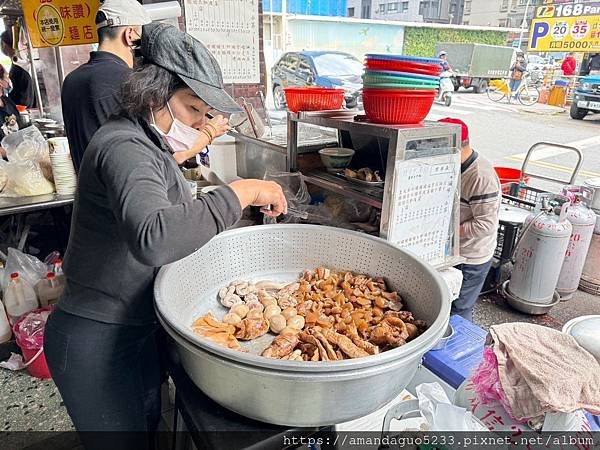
157,231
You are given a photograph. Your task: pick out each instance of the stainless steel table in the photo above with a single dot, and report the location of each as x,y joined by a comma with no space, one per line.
18,205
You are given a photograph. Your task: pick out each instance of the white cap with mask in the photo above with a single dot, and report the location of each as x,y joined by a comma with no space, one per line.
121,13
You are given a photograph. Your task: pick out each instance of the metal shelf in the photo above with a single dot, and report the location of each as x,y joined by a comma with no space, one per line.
372,196
345,120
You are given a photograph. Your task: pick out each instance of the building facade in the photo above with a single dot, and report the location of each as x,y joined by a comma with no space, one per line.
307,7
499,13
433,11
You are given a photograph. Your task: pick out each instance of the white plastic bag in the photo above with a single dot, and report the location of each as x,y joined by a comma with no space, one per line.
29,267
26,145
441,414
26,179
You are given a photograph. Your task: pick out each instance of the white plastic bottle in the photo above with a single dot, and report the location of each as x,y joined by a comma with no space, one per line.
49,289
5,328
19,298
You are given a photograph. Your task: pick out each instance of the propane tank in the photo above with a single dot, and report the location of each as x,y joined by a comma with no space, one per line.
583,221
590,278
539,256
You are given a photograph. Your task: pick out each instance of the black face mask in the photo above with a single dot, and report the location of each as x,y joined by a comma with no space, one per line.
137,53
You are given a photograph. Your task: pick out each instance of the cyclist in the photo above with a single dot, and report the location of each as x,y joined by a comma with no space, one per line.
517,71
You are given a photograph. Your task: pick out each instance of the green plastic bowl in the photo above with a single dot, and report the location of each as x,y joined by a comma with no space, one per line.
383,79
398,86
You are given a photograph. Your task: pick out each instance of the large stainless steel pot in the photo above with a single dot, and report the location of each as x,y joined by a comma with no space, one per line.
285,392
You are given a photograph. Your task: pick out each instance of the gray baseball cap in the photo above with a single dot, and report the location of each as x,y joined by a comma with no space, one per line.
121,13
178,52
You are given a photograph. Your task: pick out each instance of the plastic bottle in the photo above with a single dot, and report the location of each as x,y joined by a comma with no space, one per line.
19,298
58,271
49,289
5,328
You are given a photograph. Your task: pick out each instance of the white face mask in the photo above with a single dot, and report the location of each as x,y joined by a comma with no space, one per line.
180,136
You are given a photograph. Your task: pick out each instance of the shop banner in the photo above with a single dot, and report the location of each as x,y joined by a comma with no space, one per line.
566,27
52,23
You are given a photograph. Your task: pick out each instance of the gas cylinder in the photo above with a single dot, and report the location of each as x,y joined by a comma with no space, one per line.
539,255
583,221
590,277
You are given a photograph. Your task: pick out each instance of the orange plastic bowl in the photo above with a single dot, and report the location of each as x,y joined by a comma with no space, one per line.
313,98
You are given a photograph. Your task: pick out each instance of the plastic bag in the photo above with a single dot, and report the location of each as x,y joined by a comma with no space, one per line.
3,174
26,145
486,381
295,191
441,414
29,267
26,179
30,329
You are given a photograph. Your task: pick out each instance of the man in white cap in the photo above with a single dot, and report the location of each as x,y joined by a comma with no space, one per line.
90,94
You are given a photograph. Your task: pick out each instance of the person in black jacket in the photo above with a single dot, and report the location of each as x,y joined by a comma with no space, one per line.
90,94
134,213
22,92
8,108
594,65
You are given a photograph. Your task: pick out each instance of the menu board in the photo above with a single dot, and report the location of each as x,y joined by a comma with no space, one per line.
425,190
229,28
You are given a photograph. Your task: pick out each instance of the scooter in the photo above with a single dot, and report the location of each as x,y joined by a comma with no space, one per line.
446,88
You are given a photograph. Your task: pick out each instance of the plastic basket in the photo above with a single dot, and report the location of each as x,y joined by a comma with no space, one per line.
403,66
412,76
508,175
373,78
390,107
399,86
414,59
521,195
313,99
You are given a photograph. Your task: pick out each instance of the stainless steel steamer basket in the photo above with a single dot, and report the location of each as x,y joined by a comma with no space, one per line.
286,392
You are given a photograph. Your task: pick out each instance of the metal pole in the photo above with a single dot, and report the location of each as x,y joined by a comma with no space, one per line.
524,24
60,68
284,24
34,77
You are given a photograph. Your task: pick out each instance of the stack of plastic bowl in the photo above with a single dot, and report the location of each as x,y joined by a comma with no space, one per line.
399,89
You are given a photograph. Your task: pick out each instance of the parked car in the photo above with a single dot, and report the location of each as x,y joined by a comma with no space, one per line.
587,98
327,69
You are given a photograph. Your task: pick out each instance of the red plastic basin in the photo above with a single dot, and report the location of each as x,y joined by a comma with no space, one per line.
397,108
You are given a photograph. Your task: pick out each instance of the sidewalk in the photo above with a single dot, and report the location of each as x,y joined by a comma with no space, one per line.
493,309
541,109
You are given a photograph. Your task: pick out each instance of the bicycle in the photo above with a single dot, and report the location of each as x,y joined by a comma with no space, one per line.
527,94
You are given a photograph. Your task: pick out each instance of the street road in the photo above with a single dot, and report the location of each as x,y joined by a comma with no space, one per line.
503,133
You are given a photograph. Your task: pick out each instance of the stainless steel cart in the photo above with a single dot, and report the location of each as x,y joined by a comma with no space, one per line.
411,158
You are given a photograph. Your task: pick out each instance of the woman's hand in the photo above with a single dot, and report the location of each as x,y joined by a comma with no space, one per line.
261,193
218,126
